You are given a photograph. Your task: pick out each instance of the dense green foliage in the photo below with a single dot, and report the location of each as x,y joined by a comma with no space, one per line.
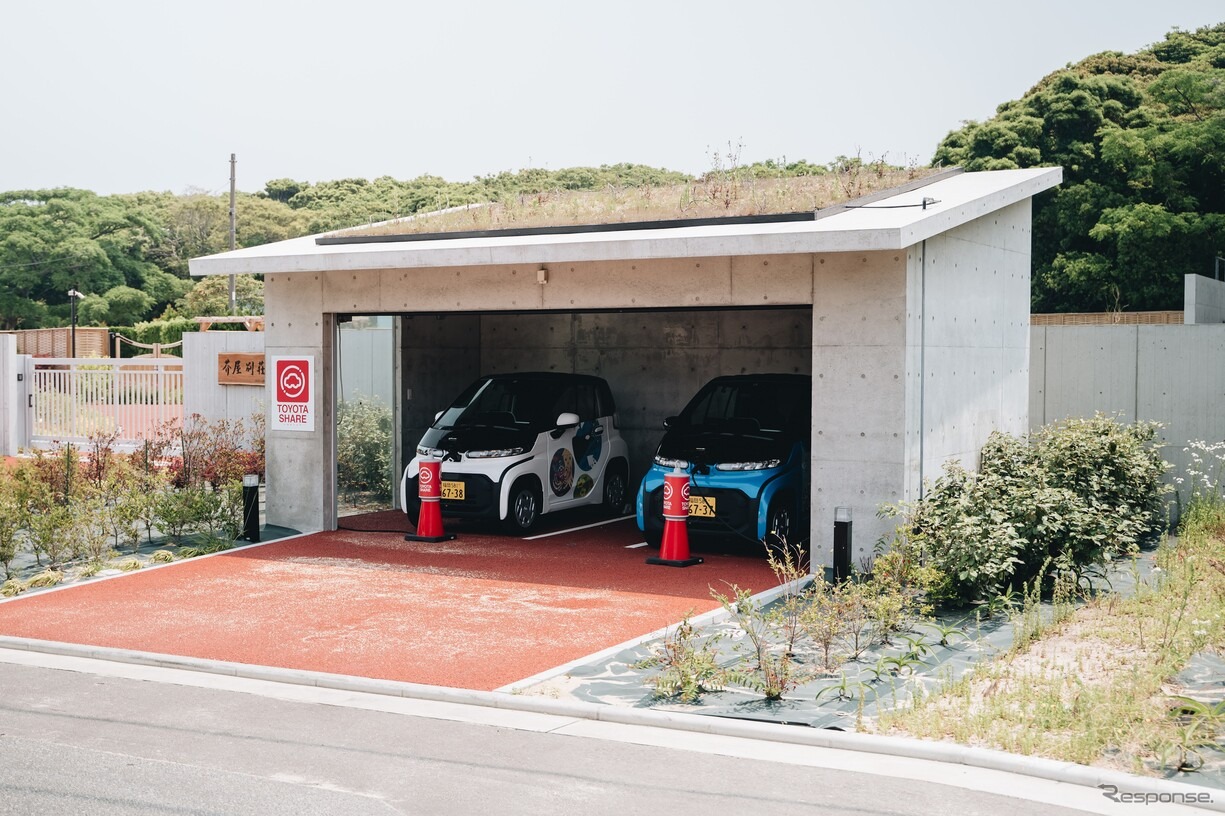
1141,139
1072,496
128,253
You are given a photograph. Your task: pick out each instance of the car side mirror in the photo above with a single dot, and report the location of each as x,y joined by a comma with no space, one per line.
437,415
567,420
669,422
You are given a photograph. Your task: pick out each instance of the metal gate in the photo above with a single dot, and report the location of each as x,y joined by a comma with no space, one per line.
71,399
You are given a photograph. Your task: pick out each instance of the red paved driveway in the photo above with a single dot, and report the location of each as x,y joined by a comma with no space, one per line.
478,612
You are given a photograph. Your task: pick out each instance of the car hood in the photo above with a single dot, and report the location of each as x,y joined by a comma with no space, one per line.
714,447
464,438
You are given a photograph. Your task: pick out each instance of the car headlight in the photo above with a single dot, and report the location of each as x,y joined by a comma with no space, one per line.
765,464
433,453
495,453
664,461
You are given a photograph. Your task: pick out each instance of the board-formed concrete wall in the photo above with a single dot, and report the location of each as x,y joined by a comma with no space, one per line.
1168,374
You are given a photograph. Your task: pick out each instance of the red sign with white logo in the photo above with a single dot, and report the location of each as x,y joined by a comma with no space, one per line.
676,495
294,407
429,480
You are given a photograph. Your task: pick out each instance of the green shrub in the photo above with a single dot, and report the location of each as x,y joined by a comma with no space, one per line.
10,520
363,446
184,511
1075,494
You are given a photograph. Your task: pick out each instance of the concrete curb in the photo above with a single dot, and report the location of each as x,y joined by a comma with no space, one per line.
950,753
37,593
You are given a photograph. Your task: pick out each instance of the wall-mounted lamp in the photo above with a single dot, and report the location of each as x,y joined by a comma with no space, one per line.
542,275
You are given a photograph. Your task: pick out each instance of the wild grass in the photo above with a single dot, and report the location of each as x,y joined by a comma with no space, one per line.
1093,685
724,191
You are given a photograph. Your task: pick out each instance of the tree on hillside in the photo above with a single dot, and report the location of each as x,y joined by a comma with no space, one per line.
210,297
1141,139
52,241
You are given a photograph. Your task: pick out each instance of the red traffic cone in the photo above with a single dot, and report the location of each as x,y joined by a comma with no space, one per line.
429,490
674,549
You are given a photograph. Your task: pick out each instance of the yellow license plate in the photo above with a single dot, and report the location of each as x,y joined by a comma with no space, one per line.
453,491
702,506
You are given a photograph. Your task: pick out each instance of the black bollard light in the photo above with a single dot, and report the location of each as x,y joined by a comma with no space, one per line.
842,543
250,507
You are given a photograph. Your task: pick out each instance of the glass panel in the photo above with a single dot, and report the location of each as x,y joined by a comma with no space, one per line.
365,414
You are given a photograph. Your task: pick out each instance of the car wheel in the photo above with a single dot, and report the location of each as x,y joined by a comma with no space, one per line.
780,522
523,508
654,538
616,490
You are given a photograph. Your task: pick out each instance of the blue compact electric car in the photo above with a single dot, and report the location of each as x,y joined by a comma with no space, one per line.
743,441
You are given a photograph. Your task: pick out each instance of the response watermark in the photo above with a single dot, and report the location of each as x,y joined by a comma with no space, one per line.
1113,793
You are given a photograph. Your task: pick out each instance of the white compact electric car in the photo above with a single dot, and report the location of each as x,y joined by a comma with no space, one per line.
516,446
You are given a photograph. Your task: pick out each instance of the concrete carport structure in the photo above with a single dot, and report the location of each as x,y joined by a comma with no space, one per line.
910,310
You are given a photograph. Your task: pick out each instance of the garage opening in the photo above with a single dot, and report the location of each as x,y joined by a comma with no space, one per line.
406,368
654,361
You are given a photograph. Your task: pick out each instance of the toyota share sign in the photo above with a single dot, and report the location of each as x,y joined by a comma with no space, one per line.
295,400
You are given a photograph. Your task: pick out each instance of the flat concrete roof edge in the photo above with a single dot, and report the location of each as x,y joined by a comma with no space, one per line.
859,228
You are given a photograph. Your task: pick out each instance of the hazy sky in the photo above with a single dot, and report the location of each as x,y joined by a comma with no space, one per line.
130,95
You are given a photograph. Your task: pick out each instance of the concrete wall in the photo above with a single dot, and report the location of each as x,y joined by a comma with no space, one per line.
301,470
12,397
299,309
658,329
967,341
859,394
201,392
918,357
1203,300
1168,374
367,362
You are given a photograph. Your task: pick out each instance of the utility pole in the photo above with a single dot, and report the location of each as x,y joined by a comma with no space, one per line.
233,231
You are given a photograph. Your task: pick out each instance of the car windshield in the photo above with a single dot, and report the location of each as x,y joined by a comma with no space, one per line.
505,403
746,407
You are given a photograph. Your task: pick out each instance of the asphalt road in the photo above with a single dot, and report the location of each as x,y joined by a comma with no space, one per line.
82,743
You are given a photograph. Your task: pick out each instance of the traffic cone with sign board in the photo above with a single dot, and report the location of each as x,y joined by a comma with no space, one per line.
429,490
674,548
